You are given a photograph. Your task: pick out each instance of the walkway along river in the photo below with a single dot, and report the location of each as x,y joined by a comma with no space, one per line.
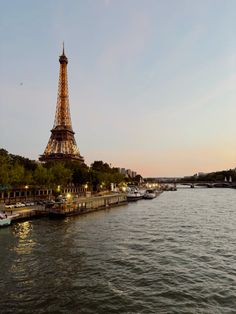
173,254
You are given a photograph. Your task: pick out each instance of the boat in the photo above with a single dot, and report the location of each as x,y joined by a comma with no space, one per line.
133,194
85,205
4,220
149,195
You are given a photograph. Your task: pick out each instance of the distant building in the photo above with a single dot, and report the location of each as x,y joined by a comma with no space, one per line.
201,174
122,171
129,173
134,173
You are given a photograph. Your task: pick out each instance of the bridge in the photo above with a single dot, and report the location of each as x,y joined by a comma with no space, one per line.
179,182
207,184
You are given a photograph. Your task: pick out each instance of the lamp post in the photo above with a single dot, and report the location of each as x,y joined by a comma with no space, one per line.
26,189
86,187
68,197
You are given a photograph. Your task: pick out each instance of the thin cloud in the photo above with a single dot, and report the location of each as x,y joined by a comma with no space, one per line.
221,88
107,2
129,44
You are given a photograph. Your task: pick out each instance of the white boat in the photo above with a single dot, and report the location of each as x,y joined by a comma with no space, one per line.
4,220
133,194
150,194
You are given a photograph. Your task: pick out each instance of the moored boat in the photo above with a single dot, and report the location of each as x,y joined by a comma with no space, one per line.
134,196
86,205
4,220
150,194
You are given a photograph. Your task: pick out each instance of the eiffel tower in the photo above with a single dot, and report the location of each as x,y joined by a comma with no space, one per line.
62,144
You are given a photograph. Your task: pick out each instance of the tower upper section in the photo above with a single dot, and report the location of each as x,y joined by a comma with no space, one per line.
62,116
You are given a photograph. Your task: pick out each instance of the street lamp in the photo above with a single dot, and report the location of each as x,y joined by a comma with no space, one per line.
26,189
86,187
68,196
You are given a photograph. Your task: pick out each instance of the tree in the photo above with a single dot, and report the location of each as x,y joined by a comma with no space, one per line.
41,176
80,175
17,173
4,170
100,166
17,170
60,174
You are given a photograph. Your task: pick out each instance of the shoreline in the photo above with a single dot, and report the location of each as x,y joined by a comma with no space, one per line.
76,208
80,206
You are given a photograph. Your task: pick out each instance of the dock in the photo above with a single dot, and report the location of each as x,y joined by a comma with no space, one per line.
77,206
86,205
71,208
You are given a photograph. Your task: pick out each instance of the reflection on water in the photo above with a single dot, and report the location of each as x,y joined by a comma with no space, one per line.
22,229
22,232
174,254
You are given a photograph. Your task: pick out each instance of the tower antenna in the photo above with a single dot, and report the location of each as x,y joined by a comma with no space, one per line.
63,48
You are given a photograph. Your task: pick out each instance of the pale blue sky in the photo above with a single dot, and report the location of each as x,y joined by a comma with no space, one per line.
152,83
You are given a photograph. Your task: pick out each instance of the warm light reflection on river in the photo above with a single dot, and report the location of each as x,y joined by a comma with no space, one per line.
23,233
174,254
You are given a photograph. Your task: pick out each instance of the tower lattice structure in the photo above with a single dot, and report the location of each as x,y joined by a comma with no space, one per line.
62,144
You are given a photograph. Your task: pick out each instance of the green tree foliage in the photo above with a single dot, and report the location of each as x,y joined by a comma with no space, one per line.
11,171
95,180
100,166
80,175
17,174
60,174
4,169
137,179
19,171
42,176
102,175
28,164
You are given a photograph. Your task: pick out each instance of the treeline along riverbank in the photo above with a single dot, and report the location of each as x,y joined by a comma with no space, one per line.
19,172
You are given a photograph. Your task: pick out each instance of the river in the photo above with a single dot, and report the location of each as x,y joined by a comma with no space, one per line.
173,254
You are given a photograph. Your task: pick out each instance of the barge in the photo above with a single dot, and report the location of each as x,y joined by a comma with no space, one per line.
86,205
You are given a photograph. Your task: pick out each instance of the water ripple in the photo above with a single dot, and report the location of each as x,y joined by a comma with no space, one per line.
174,254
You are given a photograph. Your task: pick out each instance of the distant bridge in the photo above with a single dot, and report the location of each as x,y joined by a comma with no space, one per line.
207,184
198,184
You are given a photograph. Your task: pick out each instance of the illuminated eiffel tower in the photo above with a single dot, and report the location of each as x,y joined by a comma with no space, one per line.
62,144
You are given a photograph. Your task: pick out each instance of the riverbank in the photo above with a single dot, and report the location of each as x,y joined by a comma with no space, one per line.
79,206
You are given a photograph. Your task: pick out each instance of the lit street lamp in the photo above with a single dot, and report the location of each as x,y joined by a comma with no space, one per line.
68,196
26,189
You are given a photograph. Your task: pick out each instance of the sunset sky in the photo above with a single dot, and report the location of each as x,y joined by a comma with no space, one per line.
152,83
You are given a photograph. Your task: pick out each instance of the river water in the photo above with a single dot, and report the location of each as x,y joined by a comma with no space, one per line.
173,254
